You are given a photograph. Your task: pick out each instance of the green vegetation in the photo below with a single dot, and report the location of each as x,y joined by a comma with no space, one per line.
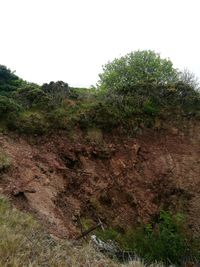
168,240
5,161
9,82
24,243
134,91
122,74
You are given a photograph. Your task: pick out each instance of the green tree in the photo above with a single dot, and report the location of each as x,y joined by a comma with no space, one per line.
135,68
9,82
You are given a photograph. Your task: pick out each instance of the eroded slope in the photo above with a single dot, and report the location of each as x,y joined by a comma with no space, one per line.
122,181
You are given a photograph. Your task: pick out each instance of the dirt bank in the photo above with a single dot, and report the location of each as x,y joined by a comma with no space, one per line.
122,181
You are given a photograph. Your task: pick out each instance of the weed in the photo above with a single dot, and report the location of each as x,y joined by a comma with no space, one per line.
5,161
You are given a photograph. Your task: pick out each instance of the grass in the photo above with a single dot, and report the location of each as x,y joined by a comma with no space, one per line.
5,161
24,243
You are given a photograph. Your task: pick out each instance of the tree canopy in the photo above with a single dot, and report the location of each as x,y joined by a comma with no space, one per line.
137,67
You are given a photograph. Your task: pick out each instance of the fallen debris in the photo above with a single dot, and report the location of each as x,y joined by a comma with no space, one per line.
85,233
112,250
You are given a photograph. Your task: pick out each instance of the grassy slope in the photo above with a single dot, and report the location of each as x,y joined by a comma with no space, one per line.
23,242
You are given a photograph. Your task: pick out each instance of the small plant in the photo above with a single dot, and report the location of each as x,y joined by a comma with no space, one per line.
95,135
5,161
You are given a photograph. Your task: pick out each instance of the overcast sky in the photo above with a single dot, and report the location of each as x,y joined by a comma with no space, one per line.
70,40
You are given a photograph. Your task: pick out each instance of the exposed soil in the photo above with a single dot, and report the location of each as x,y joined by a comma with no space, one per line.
122,181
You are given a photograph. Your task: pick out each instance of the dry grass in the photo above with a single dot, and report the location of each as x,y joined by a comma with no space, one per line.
95,135
23,243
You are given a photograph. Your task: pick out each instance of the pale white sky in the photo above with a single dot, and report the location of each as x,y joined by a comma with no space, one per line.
70,40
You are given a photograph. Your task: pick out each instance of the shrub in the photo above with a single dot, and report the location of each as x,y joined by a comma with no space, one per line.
56,92
143,83
31,95
134,91
187,97
7,106
165,241
9,82
101,115
58,118
168,240
30,122
145,66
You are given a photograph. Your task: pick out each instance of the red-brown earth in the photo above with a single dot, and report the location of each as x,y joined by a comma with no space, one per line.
124,181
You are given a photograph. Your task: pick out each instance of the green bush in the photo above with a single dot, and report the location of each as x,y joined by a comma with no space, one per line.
31,96
187,98
165,241
30,122
9,82
56,92
7,106
58,119
101,115
143,83
145,66
168,240
133,92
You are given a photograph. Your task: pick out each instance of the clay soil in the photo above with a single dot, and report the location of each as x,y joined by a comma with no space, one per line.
64,179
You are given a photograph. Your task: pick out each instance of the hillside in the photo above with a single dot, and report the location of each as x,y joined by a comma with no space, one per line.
74,156
95,176
125,182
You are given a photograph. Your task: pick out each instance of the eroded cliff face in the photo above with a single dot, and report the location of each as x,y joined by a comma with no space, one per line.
123,181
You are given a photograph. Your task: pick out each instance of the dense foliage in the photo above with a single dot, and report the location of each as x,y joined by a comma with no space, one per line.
137,89
123,74
9,82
